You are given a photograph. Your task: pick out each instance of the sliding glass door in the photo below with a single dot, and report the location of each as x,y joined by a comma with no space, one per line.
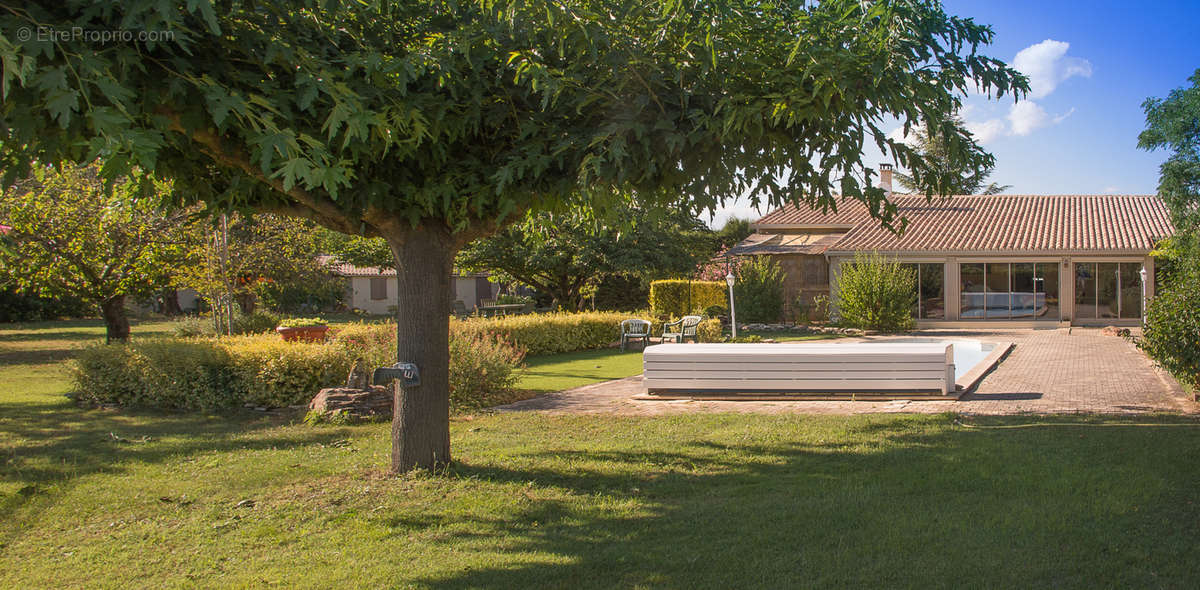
931,289
1108,290
1009,290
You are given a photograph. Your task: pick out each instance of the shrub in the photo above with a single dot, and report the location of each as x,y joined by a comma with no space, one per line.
758,292
483,371
507,299
302,322
549,333
216,373
259,322
191,327
273,373
876,293
676,298
1172,333
710,331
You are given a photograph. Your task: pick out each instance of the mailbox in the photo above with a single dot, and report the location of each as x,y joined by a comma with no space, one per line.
407,373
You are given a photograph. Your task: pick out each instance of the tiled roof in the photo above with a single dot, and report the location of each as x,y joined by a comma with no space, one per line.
346,269
996,223
802,243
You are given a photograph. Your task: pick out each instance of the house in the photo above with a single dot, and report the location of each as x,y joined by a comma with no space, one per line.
1001,259
373,290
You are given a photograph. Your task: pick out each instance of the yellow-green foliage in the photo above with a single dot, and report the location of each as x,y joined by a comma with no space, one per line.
709,331
274,373
215,373
550,333
675,298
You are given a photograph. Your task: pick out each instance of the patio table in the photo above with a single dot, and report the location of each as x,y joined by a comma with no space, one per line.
504,309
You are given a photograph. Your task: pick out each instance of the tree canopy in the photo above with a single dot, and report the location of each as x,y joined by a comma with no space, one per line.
72,235
1173,123
432,123
561,254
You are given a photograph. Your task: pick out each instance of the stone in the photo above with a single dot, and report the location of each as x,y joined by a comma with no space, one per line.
1115,331
375,400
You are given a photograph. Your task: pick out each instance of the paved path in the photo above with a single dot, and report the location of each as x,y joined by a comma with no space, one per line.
1049,371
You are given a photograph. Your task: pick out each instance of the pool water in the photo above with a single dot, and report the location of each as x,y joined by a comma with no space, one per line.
967,353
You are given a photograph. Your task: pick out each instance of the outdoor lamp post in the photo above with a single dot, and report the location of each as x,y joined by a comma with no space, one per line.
732,314
1142,273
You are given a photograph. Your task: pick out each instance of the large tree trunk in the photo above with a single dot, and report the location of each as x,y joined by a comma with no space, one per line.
247,302
421,421
116,325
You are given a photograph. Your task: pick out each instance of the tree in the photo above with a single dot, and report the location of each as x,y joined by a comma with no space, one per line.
434,123
963,180
1173,124
563,254
249,257
734,231
72,235
1173,315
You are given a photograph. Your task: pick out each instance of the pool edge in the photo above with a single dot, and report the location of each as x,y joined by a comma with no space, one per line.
971,378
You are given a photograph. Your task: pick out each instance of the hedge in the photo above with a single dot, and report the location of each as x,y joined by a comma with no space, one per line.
218,373
677,298
550,333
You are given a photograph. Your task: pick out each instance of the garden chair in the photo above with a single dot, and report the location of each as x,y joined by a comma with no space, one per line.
487,302
682,329
634,330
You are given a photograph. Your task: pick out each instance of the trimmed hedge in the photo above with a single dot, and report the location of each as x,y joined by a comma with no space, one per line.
550,333
677,298
218,373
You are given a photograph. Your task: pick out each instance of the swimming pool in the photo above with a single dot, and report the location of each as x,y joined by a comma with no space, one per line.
967,353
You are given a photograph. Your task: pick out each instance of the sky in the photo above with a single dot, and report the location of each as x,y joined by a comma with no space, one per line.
1091,65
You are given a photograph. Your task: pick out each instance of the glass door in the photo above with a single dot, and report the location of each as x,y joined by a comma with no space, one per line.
1045,285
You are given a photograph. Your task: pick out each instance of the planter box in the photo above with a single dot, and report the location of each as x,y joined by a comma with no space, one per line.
303,333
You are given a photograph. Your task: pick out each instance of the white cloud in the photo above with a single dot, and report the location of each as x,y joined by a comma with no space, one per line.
1111,189
987,131
897,135
1027,116
1047,64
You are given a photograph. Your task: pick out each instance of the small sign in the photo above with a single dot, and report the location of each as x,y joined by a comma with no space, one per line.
407,373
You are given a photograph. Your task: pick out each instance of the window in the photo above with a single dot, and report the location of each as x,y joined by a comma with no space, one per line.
1004,290
378,288
931,285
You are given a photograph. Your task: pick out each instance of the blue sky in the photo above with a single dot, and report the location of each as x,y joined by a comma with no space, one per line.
1092,64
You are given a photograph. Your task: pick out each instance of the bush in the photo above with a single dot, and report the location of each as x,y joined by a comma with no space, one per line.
876,293
758,292
217,373
677,298
549,333
1172,333
191,327
710,331
302,322
259,322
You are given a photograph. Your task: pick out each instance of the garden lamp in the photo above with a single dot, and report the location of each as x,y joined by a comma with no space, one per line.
1142,273
729,280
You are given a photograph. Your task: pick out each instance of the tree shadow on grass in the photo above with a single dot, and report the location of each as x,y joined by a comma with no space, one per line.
55,443
1057,504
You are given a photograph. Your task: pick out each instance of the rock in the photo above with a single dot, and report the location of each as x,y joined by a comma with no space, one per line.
376,400
1115,331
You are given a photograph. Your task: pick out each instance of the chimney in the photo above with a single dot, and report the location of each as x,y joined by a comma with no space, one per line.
885,179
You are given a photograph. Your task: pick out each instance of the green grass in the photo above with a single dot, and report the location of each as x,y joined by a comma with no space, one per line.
557,372
125,499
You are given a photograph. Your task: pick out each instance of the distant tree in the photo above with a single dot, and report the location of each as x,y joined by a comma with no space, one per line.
949,176
73,235
432,123
735,230
247,257
563,254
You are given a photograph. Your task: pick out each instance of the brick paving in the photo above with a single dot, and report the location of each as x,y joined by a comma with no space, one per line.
1049,371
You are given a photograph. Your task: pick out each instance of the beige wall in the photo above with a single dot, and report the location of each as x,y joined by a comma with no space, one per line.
359,294
805,276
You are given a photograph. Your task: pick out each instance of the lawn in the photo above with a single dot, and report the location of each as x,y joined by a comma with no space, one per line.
94,498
